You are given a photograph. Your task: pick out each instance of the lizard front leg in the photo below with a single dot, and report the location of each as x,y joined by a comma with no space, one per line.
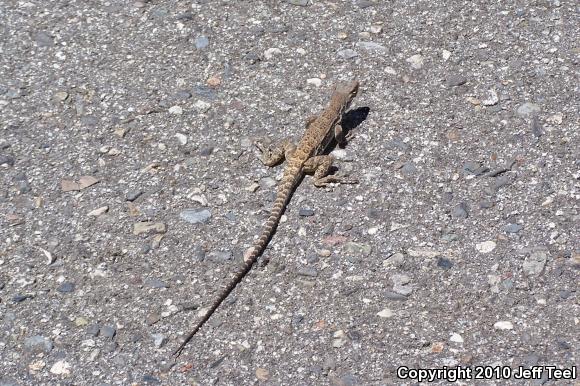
272,156
320,165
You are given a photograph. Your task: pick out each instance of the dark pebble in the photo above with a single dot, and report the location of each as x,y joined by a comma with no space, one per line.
297,319
110,347
500,182
6,160
198,253
455,80
562,344
37,344
390,295
93,329
485,204
307,271
537,129
564,294
204,92
354,335
43,39
444,263
133,195
21,298
513,228
312,259
206,151
89,121
362,4
151,380
409,168
23,187
156,283
66,287
460,211
305,212
348,380
470,167
183,94
108,332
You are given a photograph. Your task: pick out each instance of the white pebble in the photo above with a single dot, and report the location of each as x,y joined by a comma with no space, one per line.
314,81
455,337
182,138
271,52
176,110
60,368
485,246
503,325
98,211
385,313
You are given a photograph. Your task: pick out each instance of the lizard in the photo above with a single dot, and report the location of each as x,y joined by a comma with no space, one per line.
306,157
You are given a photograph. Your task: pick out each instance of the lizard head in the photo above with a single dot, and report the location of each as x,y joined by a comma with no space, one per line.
349,91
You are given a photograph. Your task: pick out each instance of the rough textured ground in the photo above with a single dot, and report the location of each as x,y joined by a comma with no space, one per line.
459,246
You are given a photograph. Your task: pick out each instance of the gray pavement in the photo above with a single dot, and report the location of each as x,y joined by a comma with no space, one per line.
130,189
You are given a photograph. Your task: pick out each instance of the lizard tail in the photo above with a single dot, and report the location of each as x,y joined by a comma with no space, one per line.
259,246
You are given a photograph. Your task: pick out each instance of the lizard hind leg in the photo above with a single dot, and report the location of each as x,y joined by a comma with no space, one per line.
272,156
320,165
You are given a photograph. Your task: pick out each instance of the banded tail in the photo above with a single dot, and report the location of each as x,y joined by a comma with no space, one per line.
282,197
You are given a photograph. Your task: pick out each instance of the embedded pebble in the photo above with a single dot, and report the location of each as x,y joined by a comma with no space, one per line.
201,42
534,264
156,283
371,46
513,228
98,211
202,106
66,287
347,53
176,110
339,340
317,82
444,263
148,226
61,368
528,109
6,160
490,99
301,3
305,212
93,329
460,211
503,325
108,332
181,138
307,271
416,61
485,246
195,216
385,313
133,195
358,248
37,344
271,52
220,256
454,80
456,338
159,340
423,252
262,374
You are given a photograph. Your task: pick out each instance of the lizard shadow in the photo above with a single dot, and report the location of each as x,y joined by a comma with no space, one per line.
350,121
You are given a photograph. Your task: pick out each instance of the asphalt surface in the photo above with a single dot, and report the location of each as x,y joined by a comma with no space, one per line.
130,189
